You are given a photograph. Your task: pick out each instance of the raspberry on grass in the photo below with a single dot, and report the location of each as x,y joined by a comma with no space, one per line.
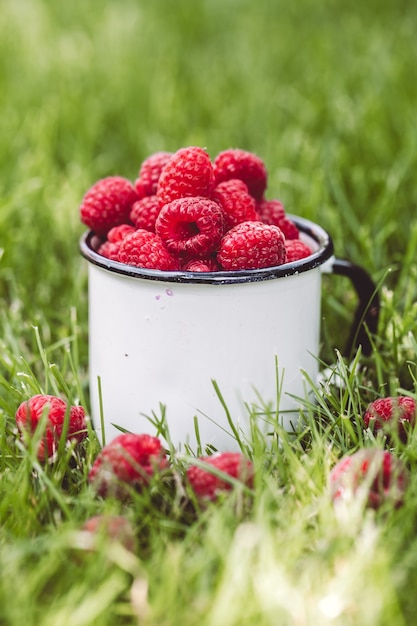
252,245
207,484
189,172
144,213
190,228
374,474
296,250
147,182
398,413
236,202
107,203
111,528
60,420
129,459
145,249
273,212
236,163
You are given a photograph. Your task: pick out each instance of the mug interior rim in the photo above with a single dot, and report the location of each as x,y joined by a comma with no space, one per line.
312,230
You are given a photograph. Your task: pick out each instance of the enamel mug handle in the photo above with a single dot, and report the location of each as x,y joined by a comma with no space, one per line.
365,321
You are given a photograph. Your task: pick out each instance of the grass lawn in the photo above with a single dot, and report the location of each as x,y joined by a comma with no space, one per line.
325,93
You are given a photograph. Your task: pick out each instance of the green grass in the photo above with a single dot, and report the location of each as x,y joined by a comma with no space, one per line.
324,93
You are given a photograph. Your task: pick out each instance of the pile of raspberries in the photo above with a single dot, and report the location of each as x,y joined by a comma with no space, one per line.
186,212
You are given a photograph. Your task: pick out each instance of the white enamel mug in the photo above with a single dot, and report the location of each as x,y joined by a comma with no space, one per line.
162,338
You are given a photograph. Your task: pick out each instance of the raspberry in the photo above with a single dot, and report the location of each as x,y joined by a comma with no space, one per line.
145,249
236,202
273,212
118,233
202,265
395,412
61,419
207,485
296,250
147,182
189,172
190,228
113,528
107,203
289,229
236,163
127,460
252,245
378,474
144,213
110,250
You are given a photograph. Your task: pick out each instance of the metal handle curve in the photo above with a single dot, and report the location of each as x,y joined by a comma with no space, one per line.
366,317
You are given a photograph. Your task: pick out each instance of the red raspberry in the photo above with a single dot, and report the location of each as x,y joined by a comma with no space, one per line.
207,485
113,528
252,245
110,250
378,474
191,228
145,249
236,163
236,202
296,250
61,419
395,412
289,229
107,203
127,460
202,265
273,212
147,182
118,233
189,172
144,213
